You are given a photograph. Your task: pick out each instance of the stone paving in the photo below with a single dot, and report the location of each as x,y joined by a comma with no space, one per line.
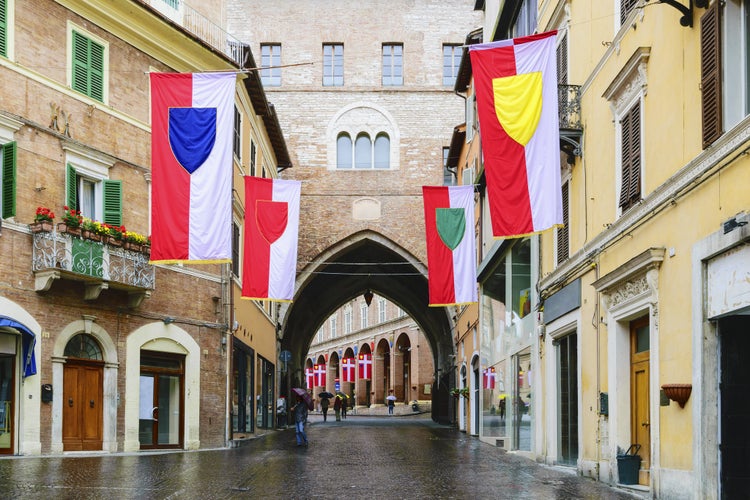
361,457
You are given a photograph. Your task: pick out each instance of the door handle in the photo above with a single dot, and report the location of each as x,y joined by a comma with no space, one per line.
645,424
155,413
70,402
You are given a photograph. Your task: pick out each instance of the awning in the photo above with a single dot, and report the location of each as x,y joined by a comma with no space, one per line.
28,340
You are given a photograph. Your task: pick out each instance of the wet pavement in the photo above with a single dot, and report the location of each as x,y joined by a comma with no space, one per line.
360,457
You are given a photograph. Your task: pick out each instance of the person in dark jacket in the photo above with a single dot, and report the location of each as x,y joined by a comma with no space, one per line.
299,411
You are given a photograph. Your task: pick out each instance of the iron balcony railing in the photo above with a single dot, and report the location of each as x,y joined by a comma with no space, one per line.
89,261
199,25
569,107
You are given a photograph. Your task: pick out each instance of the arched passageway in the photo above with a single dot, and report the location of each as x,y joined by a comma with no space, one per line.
361,262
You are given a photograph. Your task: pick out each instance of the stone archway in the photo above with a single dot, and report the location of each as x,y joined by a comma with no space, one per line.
367,260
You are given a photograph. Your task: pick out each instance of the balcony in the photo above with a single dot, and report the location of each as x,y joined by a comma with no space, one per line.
59,255
200,26
571,129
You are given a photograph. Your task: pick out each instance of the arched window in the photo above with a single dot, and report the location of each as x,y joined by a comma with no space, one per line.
382,151
83,346
344,151
363,152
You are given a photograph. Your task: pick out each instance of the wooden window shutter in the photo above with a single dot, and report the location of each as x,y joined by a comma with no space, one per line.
634,190
9,179
88,67
71,187
112,202
562,61
3,28
630,186
711,74
625,160
625,7
563,233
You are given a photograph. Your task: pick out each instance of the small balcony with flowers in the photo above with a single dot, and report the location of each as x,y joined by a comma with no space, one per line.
100,255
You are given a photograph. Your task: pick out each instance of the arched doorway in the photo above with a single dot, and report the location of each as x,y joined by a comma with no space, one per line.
83,375
402,369
361,262
364,378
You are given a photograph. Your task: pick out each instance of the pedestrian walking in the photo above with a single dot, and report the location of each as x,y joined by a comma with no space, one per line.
391,401
337,408
344,403
324,404
299,411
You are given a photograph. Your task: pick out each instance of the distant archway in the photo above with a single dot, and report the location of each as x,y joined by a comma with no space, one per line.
368,261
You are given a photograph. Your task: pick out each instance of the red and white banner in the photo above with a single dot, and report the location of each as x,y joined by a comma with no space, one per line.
320,375
347,370
516,90
192,122
489,378
271,232
451,245
309,378
365,366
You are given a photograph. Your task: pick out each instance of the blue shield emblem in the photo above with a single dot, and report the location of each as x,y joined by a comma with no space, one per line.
192,134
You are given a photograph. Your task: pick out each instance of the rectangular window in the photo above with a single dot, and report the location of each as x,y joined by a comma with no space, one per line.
332,323
333,64
4,28
363,315
88,67
237,142
526,20
96,198
253,154
630,137
270,62
393,71
451,61
348,320
381,310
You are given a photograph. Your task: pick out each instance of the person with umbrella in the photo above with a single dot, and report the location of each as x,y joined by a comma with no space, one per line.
324,404
337,408
391,401
299,410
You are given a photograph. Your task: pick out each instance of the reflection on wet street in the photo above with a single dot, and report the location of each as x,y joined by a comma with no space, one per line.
360,457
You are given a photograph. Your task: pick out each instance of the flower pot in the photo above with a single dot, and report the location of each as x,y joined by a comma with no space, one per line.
146,249
44,226
91,235
111,240
65,228
129,245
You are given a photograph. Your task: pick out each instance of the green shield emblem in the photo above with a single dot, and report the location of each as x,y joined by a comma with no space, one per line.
451,225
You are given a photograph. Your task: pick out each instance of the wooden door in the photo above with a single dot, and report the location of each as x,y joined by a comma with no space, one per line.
82,406
639,393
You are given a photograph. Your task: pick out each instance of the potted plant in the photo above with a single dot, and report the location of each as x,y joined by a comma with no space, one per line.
455,392
133,241
91,229
71,221
43,220
115,234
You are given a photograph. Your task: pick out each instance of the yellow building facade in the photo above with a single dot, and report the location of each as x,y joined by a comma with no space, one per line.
645,298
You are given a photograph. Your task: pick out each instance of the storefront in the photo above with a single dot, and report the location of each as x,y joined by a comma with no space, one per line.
506,280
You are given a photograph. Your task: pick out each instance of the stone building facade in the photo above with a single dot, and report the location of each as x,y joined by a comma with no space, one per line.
96,343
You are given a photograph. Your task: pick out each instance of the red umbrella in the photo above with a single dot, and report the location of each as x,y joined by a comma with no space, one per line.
305,397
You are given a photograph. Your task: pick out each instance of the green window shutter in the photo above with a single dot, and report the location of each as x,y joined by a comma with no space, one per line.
3,28
113,202
71,187
9,179
88,67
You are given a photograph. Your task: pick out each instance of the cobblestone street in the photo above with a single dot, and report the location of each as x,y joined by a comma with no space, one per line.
360,457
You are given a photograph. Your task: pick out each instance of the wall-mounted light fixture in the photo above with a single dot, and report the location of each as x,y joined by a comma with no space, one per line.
368,297
168,320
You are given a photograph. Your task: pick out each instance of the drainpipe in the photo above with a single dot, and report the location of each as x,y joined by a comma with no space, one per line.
597,326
